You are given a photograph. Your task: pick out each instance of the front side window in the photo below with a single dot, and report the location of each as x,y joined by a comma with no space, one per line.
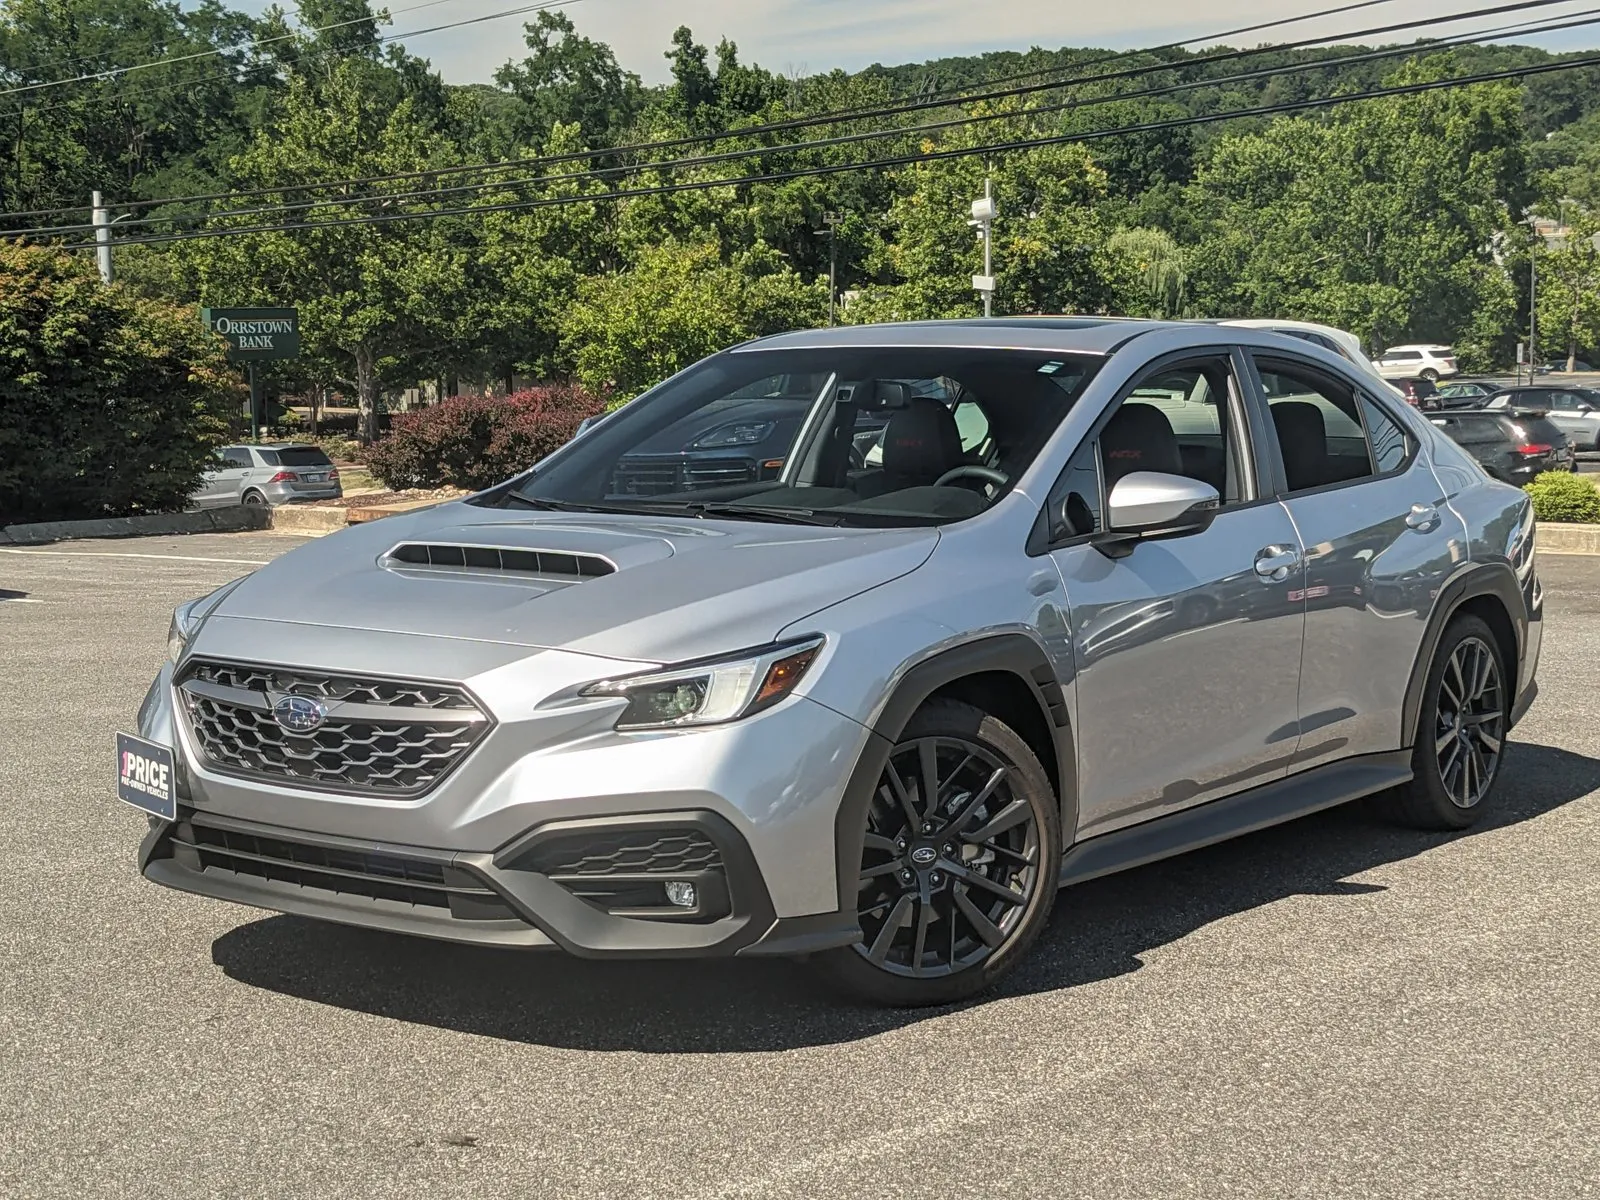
1178,420
863,435
1322,426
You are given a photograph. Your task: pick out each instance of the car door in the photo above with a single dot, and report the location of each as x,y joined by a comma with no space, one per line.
236,468
1380,544
1185,652
207,495
1573,414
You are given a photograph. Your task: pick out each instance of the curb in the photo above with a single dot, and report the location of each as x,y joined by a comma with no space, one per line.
1561,538
237,519
317,521
360,516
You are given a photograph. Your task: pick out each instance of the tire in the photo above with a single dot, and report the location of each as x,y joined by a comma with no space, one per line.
1431,375
254,499
1457,762
943,883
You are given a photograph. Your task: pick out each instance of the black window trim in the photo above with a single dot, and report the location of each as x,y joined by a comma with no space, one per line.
1252,479
1360,390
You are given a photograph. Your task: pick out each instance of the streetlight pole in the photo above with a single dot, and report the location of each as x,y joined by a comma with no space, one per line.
983,215
831,220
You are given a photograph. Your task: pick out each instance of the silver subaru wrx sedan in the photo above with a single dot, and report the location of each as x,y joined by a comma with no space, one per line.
858,644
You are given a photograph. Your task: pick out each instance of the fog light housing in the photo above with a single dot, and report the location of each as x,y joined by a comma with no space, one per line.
681,895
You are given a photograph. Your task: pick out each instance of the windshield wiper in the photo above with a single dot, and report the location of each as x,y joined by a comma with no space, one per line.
689,508
579,506
764,512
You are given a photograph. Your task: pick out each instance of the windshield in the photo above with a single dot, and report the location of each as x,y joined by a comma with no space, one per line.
869,436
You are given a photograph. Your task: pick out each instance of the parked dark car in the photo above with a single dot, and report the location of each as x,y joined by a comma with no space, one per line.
1513,444
1573,410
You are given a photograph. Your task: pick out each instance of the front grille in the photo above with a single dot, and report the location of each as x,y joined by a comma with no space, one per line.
649,476
418,882
634,852
378,737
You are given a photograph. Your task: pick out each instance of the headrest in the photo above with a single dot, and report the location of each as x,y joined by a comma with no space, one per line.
1303,439
1139,438
921,440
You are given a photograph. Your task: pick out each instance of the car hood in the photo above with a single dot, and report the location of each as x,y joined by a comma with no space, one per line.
678,589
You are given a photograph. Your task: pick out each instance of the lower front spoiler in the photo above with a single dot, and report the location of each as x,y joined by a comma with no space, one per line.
476,898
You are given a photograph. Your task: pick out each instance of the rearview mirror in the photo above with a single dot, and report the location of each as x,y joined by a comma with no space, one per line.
1147,505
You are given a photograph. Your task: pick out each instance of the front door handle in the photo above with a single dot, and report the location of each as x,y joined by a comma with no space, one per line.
1424,518
1274,563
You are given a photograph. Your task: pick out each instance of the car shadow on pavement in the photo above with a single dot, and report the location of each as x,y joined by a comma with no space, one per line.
1099,931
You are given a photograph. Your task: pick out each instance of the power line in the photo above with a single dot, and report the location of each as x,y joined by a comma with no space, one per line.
834,117
1587,17
118,72
1268,110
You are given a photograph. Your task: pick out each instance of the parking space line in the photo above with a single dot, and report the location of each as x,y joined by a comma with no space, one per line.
232,562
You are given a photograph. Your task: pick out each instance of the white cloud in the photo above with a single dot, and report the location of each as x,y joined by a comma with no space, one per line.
818,35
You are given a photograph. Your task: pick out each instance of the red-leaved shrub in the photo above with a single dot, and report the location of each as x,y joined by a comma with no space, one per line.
475,442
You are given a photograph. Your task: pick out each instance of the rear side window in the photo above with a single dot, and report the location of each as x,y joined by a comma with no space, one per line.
1536,430
1327,433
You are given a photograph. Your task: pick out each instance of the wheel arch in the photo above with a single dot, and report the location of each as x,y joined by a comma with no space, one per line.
1489,591
1008,676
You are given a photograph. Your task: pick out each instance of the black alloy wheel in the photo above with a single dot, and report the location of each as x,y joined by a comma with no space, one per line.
1461,731
959,865
1470,720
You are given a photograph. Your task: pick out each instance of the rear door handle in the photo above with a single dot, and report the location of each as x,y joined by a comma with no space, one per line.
1424,518
1274,563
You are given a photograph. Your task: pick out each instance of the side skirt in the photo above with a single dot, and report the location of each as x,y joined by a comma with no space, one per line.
1260,808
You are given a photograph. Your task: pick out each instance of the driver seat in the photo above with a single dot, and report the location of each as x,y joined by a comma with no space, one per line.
920,444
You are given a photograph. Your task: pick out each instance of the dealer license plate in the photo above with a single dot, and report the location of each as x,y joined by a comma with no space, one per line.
144,776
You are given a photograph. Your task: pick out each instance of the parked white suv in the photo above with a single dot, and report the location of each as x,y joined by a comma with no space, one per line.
1418,362
1341,341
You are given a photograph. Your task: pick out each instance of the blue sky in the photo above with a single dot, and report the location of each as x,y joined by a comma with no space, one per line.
817,35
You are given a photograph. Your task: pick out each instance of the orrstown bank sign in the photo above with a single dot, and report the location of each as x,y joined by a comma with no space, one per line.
255,334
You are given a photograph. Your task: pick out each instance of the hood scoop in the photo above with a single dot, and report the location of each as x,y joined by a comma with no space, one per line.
510,561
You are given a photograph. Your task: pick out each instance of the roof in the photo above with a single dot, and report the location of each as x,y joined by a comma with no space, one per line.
1086,335
1419,346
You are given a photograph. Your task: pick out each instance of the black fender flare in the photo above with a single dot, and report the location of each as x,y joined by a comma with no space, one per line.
1011,653
1483,579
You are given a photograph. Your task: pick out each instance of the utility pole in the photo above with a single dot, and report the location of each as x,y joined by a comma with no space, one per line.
983,215
831,220
102,236
1533,300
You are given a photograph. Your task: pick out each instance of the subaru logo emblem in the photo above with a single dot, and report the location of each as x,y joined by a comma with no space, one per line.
299,714
923,855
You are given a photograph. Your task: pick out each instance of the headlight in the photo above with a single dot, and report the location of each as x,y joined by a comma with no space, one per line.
182,628
711,693
747,433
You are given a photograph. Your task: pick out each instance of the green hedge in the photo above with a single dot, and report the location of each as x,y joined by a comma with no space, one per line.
1563,496
110,404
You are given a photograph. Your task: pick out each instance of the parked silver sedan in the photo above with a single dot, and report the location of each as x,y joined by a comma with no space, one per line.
280,473
1156,585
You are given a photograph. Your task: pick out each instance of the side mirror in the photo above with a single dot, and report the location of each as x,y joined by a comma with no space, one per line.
1148,505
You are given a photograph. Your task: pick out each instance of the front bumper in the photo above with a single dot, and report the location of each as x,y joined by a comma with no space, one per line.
499,899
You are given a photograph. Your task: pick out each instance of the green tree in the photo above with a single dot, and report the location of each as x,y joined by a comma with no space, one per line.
1161,268
110,404
676,305
1381,219
569,80
376,298
1051,251
1569,291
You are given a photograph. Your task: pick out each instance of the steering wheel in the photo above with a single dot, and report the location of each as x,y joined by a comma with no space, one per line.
987,474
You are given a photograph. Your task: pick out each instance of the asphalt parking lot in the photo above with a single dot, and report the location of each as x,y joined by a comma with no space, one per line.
1330,1009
